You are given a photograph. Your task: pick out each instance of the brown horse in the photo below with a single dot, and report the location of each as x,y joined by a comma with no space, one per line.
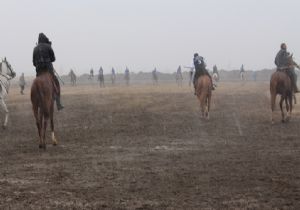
42,99
204,92
281,84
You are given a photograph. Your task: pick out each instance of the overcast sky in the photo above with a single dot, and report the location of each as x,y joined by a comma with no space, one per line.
143,34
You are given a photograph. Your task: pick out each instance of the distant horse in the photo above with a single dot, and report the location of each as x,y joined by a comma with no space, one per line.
281,84
6,74
215,77
204,93
191,73
101,80
91,75
73,78
127,77
113,79
179,78
154,78
242,75
42,98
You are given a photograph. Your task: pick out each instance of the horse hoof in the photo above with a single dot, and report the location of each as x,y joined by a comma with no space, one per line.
41,146
54,143
3,127
282,121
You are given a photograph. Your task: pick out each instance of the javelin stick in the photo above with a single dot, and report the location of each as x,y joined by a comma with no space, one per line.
58,77
189,67
297,66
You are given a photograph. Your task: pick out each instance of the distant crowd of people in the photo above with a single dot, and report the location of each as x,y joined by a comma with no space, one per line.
43,57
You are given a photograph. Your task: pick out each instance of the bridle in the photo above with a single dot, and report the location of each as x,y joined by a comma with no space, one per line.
8,78
12,73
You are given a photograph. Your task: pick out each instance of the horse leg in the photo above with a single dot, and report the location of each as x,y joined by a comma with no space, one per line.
273,100
45,123
290,106
6,113
208,105
54,141
282,112
295,99
36,116
287,106
40,127
202,105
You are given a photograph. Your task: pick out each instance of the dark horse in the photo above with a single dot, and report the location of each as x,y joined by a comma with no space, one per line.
204,93
42,99
281,84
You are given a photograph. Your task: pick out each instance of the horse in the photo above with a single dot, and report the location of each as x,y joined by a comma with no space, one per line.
101,80
215,77
127,77
42,98
281,84
6,74
242,75
179,77
113,79
191,75
73,78
154,77
204,92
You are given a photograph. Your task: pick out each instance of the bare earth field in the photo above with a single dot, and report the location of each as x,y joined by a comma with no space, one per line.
145,147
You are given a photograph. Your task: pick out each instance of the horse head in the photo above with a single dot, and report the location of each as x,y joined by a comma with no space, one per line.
6,69
290,57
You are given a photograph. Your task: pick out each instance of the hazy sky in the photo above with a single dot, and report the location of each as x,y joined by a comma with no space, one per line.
143,34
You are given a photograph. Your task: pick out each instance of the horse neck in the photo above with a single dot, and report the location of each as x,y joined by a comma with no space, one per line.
4,82
4,69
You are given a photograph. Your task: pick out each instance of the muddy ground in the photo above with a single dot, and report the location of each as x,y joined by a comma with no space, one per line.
145,147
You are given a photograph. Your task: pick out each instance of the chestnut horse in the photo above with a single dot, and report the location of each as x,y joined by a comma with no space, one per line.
42,99
281,84
204,92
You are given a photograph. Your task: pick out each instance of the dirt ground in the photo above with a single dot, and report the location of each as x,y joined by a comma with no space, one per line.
145,147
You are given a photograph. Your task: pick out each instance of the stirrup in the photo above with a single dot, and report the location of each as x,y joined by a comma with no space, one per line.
60,107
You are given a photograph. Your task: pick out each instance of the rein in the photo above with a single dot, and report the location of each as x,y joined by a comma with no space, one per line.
6,86
6,77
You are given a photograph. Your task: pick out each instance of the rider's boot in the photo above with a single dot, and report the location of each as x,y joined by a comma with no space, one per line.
213,86
296,90
58,103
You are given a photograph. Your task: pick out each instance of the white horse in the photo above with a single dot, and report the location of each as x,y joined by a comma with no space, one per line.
215,77
242,75
6,74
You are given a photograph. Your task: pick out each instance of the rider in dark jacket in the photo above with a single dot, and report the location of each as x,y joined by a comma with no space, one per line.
281,61
215,70
43,56
200,69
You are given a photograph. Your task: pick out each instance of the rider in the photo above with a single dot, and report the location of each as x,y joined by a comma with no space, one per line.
91,73
22,83
179,73
200,69
281,62
43,56
242,70
215,70
113,75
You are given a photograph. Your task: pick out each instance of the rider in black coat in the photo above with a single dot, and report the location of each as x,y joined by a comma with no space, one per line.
281,61
43,56
200,69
